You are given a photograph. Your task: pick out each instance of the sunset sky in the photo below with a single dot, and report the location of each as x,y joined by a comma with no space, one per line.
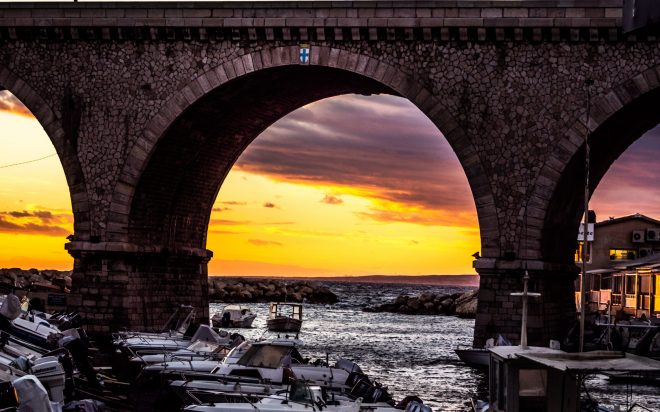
351,185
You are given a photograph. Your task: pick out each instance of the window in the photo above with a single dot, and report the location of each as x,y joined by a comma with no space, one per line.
578,252
623,254
645,286
631,284
617,284
606,282
532,382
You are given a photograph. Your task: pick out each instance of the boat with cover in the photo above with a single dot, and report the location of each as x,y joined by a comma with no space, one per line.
300,396
261,368
233,316
284,317
174,335
205,344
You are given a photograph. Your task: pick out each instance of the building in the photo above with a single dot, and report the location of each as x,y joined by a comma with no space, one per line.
623,266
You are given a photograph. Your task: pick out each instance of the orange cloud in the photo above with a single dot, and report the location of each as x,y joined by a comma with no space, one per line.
405,161
331,200
259,242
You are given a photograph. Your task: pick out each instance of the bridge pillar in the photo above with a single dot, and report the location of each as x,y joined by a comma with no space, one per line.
549,317
117,285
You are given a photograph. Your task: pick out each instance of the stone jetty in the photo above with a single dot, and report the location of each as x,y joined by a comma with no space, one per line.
230,290
461,304
26,278
267,290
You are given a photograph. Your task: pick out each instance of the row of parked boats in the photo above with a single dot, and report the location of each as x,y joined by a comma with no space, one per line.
218,371
44,365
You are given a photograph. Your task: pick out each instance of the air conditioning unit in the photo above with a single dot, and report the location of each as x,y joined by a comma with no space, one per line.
653,235
638,236
645,252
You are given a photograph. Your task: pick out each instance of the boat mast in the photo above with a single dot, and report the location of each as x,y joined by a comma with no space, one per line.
525,294
585,237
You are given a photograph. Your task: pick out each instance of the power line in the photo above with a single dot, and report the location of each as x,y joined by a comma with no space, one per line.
28,161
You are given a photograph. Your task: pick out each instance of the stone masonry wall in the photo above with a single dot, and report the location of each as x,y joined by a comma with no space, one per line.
504,82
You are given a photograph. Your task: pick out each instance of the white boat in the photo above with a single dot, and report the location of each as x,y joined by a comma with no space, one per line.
300,396
170,338
233,316
264,367
206,344
284,317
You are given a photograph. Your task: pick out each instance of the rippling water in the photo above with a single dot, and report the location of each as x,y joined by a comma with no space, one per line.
408,354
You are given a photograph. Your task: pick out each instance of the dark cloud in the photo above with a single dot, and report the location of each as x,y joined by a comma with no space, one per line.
631,184
269,205
331,200
9,103
220,209
45,216
259,242
383,144
31,228
234,203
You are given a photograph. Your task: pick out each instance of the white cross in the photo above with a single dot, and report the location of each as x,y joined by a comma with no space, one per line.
525,294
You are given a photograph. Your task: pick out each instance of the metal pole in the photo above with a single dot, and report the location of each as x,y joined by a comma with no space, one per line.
585,242
523,332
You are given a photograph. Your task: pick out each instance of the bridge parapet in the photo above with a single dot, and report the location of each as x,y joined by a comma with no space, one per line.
527,20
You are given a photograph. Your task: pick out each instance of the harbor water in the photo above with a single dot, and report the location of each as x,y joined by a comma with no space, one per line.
409,354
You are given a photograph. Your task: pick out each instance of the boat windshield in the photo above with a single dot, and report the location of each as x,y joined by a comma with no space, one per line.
278,310
269,356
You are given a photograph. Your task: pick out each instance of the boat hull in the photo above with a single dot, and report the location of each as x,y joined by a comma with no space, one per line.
477,358
284,324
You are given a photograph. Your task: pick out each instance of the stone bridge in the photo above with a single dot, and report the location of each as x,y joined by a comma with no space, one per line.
149,105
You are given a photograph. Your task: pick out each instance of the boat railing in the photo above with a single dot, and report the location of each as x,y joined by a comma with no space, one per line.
637,407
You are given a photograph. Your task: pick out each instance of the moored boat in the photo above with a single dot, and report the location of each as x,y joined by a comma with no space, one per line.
284,317
233,316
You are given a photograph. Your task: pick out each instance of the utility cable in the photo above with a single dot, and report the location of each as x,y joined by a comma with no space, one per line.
27,161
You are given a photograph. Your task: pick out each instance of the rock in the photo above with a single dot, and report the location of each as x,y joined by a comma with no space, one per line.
236,290
466,304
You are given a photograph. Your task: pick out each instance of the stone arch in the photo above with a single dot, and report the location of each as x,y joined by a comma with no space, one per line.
66,151
361,73
618,118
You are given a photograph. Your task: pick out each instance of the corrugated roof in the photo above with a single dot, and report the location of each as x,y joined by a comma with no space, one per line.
650,260
593,362
636,216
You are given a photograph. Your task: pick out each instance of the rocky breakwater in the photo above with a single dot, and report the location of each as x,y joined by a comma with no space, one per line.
233,290
33,278
461,304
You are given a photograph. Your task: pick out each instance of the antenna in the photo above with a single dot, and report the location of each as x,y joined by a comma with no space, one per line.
585,237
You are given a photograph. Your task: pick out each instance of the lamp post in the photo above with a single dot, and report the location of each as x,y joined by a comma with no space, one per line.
585,237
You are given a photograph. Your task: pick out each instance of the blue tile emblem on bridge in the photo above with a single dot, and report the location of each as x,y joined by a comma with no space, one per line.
304,54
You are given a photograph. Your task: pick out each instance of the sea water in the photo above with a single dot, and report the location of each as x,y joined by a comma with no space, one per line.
409,354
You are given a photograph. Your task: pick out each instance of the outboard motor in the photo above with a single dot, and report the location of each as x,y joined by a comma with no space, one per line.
32,394
50,373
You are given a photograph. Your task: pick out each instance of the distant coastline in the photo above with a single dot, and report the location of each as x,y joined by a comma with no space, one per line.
436,280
